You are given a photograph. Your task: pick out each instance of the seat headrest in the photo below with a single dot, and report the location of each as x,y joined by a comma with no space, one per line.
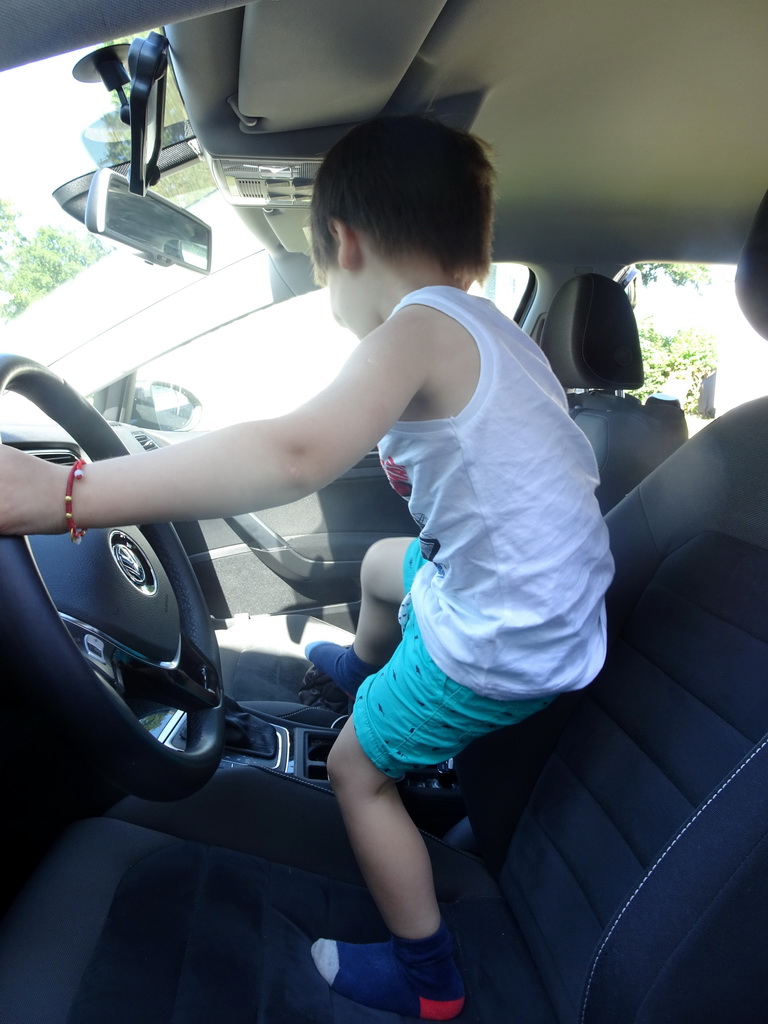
590,336
752,272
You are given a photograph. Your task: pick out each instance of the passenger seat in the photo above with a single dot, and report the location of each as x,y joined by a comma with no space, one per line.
590,338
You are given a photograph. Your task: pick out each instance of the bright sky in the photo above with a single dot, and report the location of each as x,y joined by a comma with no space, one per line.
44,114
46,130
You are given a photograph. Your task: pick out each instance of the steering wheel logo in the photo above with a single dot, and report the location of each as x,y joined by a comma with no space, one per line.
132,563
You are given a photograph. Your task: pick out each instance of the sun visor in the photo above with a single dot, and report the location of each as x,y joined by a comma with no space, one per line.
263,129
327,49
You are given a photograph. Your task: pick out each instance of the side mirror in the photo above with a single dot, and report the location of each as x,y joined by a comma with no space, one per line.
158,405
161,232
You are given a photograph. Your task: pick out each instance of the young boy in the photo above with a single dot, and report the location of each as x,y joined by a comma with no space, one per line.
506,581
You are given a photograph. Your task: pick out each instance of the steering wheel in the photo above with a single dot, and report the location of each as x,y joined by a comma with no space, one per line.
93,632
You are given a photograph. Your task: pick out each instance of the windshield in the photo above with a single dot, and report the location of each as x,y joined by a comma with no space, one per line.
96,313
141,341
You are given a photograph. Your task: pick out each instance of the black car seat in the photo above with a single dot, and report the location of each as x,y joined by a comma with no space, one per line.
591,340
624,830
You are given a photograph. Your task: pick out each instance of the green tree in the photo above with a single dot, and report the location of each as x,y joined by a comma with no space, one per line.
33,265
679,274
688,356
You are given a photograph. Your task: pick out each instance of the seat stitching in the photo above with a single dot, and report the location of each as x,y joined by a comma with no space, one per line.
292,778
728,881
659,860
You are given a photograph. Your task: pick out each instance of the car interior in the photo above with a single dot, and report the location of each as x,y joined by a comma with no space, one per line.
174,844
591,340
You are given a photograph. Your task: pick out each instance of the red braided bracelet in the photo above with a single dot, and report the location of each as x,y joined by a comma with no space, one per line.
76,473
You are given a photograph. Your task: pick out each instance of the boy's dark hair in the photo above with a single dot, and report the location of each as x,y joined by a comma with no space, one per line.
412,185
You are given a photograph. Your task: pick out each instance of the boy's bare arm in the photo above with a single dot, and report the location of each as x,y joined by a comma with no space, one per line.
242,468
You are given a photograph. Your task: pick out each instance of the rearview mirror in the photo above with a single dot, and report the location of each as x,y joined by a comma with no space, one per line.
161,232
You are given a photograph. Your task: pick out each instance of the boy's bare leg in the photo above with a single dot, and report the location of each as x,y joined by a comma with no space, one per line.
388,846
381,582
378,631
414,973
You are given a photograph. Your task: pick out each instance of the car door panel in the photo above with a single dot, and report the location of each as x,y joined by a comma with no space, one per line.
304,556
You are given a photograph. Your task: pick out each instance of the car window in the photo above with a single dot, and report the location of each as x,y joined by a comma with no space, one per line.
216,347
91,310
260,365
696,344
272,361
507,285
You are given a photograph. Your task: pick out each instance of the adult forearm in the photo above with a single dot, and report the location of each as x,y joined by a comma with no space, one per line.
235,470
239,469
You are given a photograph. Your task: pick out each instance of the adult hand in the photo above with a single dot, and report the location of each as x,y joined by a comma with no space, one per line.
31,494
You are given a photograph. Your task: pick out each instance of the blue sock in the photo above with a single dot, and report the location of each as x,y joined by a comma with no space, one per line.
414,977
341,664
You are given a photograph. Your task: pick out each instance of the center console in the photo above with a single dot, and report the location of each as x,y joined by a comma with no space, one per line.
296,741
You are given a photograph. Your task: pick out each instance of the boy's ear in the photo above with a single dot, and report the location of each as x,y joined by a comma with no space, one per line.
349,250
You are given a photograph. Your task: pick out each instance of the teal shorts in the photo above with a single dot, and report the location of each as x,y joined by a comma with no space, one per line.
409,714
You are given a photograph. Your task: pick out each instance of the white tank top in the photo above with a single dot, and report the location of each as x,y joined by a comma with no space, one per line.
511,602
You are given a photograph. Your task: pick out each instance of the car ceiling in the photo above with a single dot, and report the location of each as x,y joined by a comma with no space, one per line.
621,130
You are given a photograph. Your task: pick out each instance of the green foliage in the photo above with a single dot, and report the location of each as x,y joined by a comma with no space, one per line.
35,264
31,266
688,356
187,185
680,274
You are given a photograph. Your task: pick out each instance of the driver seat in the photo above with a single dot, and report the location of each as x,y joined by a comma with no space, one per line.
624,830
